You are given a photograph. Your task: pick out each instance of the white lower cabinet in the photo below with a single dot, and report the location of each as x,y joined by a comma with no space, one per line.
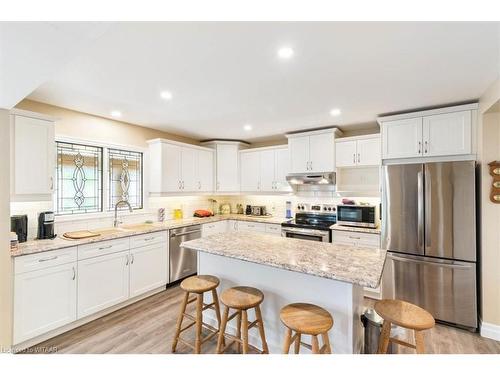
214,228
274,229
102,282
44,299
148,269
368,240
249,226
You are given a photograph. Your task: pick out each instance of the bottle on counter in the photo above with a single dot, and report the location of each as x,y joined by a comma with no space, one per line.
288,213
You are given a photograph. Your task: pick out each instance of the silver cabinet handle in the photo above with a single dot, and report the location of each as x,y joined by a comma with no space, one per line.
179,184
354,238
182,184
47,259
425,149
74,273
354,158
359,158
199,185
419,147
51,183
132,262
105,247
127,261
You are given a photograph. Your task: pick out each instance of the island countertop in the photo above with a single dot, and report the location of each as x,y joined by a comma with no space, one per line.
355,265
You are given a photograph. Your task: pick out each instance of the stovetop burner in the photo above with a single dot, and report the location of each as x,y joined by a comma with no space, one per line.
312,220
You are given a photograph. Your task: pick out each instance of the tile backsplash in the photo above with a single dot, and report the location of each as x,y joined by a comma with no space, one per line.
275,204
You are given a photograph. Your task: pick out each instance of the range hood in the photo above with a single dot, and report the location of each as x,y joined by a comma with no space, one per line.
297,179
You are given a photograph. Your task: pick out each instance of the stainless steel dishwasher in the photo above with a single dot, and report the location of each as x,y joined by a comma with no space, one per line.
182,261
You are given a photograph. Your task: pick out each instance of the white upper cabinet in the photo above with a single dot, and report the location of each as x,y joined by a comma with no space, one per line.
312,151
433,133
205,171
227,173
176,167
264,170
402,138
357,151
447,134
33,156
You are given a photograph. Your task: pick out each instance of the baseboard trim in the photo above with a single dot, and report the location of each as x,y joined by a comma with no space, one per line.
490,331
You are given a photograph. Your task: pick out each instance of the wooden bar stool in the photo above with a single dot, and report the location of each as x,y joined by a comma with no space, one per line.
241,298
197,285
306,319
406,315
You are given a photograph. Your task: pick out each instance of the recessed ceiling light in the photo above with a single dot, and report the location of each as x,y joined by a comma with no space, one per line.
285,52
167,95
335,112
247,127
116,114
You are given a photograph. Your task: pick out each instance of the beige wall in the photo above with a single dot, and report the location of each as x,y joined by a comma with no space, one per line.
489,232
5,259
83,125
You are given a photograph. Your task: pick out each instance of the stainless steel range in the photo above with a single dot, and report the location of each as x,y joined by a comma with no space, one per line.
312,222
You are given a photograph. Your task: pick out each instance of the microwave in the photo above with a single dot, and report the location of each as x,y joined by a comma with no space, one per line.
358,215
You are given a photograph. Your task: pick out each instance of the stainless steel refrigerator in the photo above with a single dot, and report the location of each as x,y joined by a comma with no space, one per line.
429,229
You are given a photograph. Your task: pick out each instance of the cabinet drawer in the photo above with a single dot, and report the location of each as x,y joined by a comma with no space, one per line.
34,262
102,248
356,238
147,239
273,228
253,227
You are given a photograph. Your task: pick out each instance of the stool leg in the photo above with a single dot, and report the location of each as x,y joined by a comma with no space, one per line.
298,338
258,314
217,310
244,329
222,330
315,344
326,343
179,322
199,320
238,331
419,342
286,345
383,343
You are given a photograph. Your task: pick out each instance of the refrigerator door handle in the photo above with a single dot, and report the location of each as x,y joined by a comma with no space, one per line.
439,264
420,210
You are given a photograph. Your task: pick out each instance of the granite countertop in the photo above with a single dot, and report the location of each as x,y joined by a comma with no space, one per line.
355,229
38,246
356,265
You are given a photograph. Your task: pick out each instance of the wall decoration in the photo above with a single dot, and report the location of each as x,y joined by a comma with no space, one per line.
495,184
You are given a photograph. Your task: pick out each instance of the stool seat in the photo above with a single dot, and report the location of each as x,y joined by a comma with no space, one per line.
306,318
199,283
242,297
404,314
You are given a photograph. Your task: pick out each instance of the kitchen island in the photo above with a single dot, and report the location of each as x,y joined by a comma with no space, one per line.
292,270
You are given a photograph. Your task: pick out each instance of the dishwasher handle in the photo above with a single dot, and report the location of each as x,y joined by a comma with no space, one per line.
172,235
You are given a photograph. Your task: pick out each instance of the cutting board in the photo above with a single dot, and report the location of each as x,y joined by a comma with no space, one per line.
80,234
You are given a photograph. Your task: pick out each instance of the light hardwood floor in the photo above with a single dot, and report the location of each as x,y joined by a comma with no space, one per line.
148,327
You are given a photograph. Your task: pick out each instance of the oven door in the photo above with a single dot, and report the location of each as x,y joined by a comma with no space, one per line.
306,234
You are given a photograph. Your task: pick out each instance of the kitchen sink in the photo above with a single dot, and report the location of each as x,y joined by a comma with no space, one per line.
134,227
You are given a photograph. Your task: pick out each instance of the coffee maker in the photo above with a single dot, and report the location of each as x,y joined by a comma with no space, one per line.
46,225
19,225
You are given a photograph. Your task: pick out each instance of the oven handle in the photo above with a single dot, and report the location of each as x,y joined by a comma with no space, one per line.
305,232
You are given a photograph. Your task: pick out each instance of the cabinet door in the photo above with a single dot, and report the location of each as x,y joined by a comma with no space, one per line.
345,154
402,138
368,152
447,134
148,268
250,171
322,154
227,168
171,167
44,300
102,282
299,154
34,156
205,171
232,226
281,169
189,179
267,172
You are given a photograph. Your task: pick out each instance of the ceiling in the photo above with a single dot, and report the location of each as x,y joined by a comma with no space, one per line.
225,75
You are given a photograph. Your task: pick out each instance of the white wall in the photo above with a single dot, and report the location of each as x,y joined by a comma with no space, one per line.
5,259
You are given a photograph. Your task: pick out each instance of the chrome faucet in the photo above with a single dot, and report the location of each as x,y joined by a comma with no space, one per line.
116,222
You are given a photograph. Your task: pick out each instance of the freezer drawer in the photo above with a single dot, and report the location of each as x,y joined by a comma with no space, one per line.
447,289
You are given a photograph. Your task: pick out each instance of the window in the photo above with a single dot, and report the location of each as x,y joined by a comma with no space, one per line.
80,185
79,179
125,178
